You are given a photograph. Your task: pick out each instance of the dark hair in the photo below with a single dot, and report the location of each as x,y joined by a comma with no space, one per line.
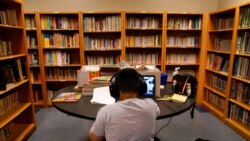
128,80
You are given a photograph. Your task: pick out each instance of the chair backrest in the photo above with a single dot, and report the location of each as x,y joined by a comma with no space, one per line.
185,84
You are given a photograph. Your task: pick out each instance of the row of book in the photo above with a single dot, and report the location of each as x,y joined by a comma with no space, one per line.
215,99
240,91
144,41
242,67
243,42
11,72
35,76
30,22
217,82
181,58
59,22
102,59
61,40
56,57
33,58
240,114
244,17
143,58
149,22
97,24
8,17
218,62
222,44
5,132
184,23
101,43
179,41
31,41
37,96
61,73
224,23
7,102
5,48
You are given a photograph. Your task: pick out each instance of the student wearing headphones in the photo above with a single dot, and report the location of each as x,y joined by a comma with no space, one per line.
132,117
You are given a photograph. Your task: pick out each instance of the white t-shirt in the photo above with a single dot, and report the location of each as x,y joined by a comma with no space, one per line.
127,120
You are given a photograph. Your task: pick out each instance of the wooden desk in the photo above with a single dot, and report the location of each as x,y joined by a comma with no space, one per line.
86,110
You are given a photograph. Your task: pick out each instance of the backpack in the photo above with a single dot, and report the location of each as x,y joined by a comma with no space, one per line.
185,84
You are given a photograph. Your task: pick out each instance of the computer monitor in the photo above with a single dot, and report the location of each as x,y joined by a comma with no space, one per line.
150,81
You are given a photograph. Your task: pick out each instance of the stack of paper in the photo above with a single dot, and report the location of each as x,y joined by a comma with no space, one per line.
101,95
178,98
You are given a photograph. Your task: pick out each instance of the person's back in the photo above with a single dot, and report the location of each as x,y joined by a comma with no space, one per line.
130,119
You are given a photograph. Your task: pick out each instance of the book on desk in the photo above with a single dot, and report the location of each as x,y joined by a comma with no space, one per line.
67,97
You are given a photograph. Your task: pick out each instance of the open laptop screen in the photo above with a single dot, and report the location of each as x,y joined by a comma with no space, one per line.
150,81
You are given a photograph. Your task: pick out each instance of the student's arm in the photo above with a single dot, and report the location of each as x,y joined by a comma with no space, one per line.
94,137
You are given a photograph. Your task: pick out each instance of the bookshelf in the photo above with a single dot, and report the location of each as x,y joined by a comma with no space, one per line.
17,118
238,110
226,89
102,38
144,38
184,43
60,50
35,65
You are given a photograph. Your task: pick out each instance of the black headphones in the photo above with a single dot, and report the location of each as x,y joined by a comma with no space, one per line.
114,85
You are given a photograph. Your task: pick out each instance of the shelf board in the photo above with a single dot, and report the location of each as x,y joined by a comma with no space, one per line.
11,1
241,104
176,64
60,30
36,83
10,27
220,93
144,29
31,29
61,80
12,57
244,28
218,113
13,113
218,51
244,130
220,30
14,85
169,29
241,79
23,130
144,47
61,48
181,47
218,72
98,32
90,50
57,66
242,54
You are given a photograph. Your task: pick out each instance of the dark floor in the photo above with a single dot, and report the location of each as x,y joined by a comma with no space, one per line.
53,125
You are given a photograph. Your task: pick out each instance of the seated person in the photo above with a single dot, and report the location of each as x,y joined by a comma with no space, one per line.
132,118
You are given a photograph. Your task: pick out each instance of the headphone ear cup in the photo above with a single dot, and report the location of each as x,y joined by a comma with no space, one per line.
113,88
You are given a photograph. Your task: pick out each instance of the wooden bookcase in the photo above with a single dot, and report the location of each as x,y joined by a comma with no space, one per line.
17,118
144,38
60,50
35,64
238,110
102,38
226,88
184,43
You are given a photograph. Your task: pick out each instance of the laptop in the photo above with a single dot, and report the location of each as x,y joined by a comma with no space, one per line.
150,81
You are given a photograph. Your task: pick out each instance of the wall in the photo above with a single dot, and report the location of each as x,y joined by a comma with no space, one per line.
223,4
120,5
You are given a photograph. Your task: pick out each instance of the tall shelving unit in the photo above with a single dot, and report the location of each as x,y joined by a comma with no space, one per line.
144,38
102,38
184,43
17,118
238,110
35,64
61,50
